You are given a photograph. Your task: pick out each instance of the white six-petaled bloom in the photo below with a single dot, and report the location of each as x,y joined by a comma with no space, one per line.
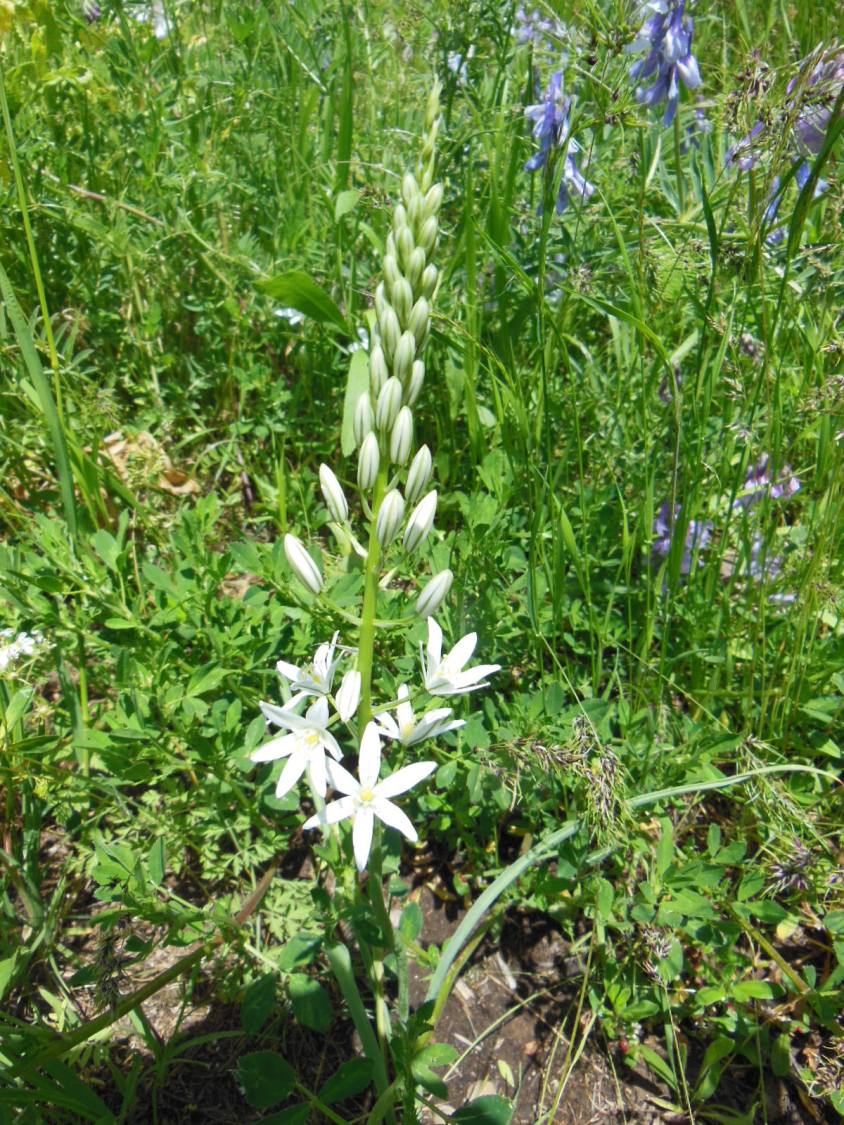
404,728
445,675
369,798
304,747
311,679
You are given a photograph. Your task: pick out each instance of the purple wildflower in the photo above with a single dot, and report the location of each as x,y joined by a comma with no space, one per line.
533,27
745,153
91,10
818,91
698,535
552,129
758,484
666,35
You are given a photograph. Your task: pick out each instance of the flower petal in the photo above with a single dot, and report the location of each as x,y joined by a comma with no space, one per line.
404,779
341,779
369,758
393,816
462,651
289,671
293,770
435,644
362,836
389,727
316,772
284,717
333,813
278,748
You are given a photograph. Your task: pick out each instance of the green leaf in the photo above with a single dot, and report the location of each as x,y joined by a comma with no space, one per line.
7,972
258,1003
781,1056
299,290
84,1100
351,1078
411,921
156,861
311,1004
436,1054
665,847
300,950
265,1077
357,383
346,201
604,898
107,548
755,990
489,1110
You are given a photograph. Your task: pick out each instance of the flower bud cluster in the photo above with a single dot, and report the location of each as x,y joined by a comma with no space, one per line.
382,422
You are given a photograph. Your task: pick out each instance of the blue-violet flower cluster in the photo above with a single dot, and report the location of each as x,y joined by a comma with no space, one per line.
552,128
666,35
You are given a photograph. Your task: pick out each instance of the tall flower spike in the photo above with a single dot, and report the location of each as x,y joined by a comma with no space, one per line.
369,798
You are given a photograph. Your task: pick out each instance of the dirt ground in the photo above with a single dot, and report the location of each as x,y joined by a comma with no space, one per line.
513,1017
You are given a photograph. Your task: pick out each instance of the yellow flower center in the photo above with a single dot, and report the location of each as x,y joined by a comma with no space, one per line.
366,795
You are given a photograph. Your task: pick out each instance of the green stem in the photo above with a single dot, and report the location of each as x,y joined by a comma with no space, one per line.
23,203
678,170
366,639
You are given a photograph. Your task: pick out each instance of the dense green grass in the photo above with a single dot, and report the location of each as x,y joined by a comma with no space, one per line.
648,346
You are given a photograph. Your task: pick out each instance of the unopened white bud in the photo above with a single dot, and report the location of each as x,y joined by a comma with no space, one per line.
418,474
416,213
302,565
428,281
364,418
428,235
390,517
417,378
399,219
369,461
348,695
404,357
401,438
401,296
434,594
388,405
379,373
391,269
415,266
409,188
332,493
388,322
433,199
390,246
421,521
380,299
420,317
405,246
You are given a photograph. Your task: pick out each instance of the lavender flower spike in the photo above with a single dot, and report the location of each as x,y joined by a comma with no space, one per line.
553,130
666,35
819,94
698,535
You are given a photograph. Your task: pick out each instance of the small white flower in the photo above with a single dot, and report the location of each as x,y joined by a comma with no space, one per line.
348,697
315,678
292,316
445,675
405,729
369,797
304,747
24,644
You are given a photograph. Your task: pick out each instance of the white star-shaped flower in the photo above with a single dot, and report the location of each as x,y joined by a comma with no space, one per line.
405,729
311,679
369,798
304,747
445,675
